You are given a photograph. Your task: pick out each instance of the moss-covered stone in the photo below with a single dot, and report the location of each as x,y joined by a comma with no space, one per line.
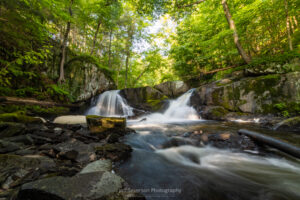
19,117
291,124
99,124
144,98
257,95
34,109
215,113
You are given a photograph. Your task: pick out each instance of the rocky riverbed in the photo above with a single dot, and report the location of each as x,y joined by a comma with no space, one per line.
54,161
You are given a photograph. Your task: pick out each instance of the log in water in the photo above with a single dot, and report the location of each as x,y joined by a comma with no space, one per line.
280,145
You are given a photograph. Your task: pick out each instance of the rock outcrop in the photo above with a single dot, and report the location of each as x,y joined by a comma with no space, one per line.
172,89
144,98
256,95
85,87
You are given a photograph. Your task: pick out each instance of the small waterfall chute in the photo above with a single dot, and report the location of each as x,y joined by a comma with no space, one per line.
178,110
111,104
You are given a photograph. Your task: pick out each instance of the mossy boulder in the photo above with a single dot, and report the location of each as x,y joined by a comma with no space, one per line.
291,124
256,95
214,113
9,129
19,117
98,124
115,152
144,98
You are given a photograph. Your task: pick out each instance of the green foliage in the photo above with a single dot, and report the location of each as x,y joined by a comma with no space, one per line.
57,93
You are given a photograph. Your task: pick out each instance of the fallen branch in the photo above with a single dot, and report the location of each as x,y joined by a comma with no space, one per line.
280,145
15,100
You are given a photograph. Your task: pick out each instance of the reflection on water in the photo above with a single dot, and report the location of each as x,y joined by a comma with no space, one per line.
204,173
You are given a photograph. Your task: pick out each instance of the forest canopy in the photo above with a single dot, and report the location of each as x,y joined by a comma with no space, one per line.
139,42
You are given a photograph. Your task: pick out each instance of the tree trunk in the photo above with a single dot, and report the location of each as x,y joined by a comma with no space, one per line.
64,46
230,21
288,25
278,144
141,74
126,72
95,37
109,49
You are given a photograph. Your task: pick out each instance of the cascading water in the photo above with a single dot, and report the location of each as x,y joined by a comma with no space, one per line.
111,104
178,110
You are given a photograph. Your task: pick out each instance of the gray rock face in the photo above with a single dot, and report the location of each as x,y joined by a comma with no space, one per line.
144,98
172,89
87,186
93,83
97,166
76,150
251,95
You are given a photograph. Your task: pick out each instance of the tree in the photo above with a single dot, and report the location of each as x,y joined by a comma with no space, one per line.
231,23
64,46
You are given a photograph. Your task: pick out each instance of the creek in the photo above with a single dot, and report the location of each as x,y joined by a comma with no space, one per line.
160,168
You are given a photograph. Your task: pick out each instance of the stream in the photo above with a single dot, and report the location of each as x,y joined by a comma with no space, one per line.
161,170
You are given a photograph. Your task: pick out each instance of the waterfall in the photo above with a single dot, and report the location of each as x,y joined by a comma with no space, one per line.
111,104
178,110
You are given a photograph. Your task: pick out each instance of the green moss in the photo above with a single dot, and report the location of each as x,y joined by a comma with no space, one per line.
18,117
219,112
34,109
262,84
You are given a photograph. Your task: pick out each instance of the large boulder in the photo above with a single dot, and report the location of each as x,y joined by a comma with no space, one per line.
76,150
97,166
253,94
89,186
144,98
172,89
99,124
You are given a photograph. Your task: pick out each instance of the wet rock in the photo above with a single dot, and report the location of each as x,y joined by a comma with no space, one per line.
24,139
178,141
99,124
24,152
113,138
58,130
85,151
115,152
89,186
68,155
10,165
7,147
96,166
70,119
9,129
291,124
